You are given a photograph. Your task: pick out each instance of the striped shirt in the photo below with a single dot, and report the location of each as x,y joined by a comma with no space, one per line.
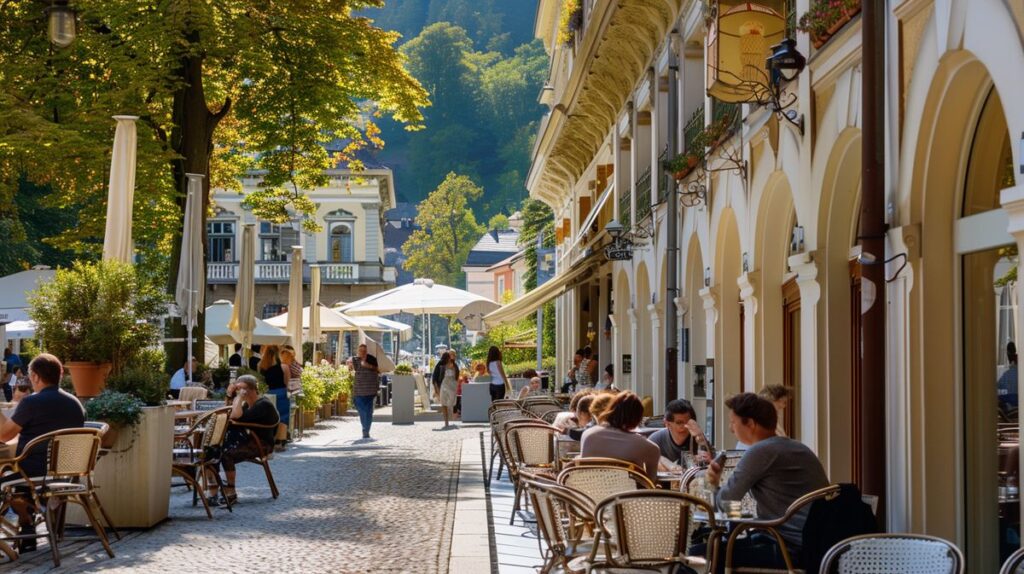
365,381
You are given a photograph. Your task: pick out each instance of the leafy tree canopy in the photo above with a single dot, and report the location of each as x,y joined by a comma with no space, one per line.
220,86
498,221
448,230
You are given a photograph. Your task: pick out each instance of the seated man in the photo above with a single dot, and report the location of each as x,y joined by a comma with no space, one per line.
775,470
240,445
48,410
681,434
182,376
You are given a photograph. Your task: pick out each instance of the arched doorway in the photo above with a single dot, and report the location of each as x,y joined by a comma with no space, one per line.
695,331
958,327
778,342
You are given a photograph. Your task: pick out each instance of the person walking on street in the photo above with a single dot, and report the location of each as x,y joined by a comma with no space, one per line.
277,382
449,386
365,387
499,382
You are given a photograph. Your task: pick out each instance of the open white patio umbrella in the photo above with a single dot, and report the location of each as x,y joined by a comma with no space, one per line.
243,315
375,323
220,313
422,296
295,301
117,238
189,293
314,301
330,320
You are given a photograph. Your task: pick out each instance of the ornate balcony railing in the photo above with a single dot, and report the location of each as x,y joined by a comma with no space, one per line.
664,181
624,209
643,195
693,127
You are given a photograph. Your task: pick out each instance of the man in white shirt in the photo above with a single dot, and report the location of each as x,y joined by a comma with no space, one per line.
180,378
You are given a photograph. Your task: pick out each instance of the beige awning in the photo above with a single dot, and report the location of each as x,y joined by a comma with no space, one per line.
530,302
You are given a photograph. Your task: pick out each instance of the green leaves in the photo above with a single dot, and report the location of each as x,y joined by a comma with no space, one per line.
448,231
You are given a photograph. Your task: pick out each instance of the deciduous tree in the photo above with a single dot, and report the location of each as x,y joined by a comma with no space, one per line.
448,231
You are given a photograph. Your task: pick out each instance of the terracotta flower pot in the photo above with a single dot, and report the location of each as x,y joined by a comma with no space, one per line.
308,418
89,379
342,404
110,438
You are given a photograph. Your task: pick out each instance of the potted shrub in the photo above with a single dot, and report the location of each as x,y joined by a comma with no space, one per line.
119,410
311,397
95,317
345,382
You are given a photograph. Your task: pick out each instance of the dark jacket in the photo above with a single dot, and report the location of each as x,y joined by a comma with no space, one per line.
438,375
831,521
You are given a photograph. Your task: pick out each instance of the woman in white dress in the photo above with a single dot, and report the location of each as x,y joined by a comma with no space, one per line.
449,386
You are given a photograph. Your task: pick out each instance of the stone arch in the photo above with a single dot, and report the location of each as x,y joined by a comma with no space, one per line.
932,181
728,333
837,232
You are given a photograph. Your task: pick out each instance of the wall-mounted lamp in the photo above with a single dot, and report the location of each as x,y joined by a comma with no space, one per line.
621,247
867,258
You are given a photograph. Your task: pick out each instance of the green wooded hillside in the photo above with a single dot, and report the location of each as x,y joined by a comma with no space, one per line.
484,71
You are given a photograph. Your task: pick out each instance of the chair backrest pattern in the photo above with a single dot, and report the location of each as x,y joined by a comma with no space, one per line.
599,482
647,526
907,555
532,445
72,453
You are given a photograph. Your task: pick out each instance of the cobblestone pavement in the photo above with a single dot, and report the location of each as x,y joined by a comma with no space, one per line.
347,505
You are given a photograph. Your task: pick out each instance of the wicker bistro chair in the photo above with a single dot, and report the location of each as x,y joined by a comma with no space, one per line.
499,420
771,527
903,553
540,409
649,529
603,461
1014,564
71,459
197,462
208,404
265,452
193,392
557,507
600,481
530,449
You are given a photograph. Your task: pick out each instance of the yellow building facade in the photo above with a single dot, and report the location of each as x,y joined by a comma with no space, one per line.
769,288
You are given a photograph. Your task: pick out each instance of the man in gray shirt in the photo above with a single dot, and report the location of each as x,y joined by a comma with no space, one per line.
775,470
681,434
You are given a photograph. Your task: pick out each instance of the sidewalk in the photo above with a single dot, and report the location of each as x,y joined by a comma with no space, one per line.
483,537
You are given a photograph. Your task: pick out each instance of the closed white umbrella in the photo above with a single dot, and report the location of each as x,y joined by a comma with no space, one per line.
117,238
314,302
243,313
295,302
188,293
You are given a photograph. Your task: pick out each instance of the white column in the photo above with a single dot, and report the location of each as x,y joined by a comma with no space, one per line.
616,358
713,388
901,451
657,374
748,284
710,297
810,292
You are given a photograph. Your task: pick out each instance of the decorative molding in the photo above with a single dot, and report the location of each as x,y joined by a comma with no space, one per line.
748,286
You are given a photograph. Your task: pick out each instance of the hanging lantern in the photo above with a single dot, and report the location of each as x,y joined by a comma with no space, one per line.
61,24
739,41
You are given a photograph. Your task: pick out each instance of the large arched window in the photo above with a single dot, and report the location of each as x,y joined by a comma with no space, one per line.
341,243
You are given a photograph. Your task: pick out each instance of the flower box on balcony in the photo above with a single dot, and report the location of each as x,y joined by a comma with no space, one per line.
826,18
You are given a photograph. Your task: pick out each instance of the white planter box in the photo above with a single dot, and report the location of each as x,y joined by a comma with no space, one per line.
403,400
476,400
133,480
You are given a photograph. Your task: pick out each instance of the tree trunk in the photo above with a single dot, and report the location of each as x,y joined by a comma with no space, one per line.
192,139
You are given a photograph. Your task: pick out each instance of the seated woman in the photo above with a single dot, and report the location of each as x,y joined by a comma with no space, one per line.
582,418
613,437
240,445
568,419
532,389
